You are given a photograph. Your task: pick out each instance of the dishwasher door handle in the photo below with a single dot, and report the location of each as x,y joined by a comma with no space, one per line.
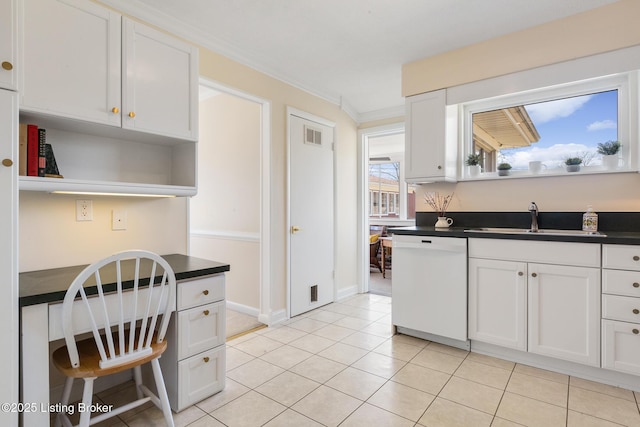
428,245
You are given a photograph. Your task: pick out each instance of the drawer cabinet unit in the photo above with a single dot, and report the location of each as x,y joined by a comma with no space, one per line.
194,363
621,308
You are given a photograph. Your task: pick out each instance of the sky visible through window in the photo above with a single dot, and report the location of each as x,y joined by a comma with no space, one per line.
569,127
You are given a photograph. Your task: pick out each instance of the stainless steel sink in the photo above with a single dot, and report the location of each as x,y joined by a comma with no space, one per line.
542,231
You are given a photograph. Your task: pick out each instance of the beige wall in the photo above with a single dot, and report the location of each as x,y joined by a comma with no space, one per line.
227,206
599,30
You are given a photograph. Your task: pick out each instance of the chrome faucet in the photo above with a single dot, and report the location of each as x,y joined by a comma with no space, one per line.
533,208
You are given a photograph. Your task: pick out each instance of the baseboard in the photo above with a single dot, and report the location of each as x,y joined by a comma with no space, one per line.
274,318
346,292
245,309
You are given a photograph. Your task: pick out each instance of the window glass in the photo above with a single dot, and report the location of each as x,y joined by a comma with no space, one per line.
384,188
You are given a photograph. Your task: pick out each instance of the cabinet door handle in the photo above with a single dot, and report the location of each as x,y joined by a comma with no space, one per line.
635,331
534,275
115,110
206,312
206,292
636,258
7,162
636,311
520,273
206,360
439,167
6,65
132,114
636,285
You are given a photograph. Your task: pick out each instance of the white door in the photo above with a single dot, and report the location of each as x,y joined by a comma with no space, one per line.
311,215
9,253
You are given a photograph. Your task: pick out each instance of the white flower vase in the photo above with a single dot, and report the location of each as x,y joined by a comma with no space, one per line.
474,170
610,162
443,222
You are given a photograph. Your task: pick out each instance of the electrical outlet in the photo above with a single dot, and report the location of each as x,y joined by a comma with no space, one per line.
84,210
118,220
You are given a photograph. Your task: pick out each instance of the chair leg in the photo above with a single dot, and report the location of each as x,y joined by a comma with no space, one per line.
137,376
87,394
64,400
162,393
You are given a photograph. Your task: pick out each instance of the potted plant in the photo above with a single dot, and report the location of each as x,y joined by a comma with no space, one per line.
504,169
573,164
473,162
609,151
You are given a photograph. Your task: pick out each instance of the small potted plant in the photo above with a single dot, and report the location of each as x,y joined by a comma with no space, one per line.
504,169
573,164
609,151
473,162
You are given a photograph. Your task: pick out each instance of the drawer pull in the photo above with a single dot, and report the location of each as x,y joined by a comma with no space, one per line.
636,285
206,292
636,311
635,331
206,312
636,258
206,360
534,275
520,273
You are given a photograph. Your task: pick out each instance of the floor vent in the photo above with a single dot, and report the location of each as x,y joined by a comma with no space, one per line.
314,293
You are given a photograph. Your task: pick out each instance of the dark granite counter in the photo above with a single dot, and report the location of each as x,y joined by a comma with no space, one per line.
45,286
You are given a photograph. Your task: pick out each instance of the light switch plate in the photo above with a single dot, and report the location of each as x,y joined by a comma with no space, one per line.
118,220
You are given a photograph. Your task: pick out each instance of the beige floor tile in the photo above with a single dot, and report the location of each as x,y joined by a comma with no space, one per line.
541,373
342,308
539,389
232,390
206,421
364,340
531,412
604,406
577,419
287,388
444,413
379,364
236,358
381,329
318,369
258,345
120,395
373,316
326,316
153,417
501,422
406,339
327,406
421,378
368,415
286,356
352,322
434,346
250,409
483,374
343,353
381,307
308,325
254,373
284,334
610,390
397,350
491,361
291,418
404,401
474,395
356,383
333,332
312,343
437,360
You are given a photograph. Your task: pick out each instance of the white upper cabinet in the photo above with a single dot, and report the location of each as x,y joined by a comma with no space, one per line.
8,44
70,60
430,147
160,88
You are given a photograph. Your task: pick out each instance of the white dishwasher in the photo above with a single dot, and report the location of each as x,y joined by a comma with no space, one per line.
429,288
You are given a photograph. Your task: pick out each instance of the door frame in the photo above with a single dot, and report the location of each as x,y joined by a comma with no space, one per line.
291,111
265,288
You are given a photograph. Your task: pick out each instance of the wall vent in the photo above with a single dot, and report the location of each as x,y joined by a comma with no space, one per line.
312,135
314,293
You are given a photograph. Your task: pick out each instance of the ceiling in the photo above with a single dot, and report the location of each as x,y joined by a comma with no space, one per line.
349,52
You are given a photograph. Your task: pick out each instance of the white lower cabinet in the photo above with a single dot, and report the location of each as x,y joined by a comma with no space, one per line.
549,307
194,363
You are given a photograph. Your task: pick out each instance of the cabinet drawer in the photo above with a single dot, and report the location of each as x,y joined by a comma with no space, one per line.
196,292
200,328
623,257
626,309
621,346
621,282
201,376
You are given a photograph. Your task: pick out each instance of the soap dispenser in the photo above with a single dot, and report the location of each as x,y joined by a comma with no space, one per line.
590,220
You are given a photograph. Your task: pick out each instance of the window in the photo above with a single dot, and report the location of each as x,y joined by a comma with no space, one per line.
549,126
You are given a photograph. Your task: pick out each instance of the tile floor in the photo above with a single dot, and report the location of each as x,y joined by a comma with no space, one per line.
340,365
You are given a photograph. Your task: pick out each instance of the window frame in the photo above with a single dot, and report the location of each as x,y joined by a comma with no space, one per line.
624,83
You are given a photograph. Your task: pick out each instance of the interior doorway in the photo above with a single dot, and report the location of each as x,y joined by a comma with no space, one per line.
229,217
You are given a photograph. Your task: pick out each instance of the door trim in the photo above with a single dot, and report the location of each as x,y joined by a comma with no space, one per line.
291,111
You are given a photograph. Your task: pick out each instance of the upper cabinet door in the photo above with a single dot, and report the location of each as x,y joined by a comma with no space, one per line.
8,45
70,64
159,88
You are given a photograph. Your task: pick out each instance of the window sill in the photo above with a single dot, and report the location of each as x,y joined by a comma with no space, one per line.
588,170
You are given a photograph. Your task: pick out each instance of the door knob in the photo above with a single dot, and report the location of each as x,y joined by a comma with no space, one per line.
295,229
7,162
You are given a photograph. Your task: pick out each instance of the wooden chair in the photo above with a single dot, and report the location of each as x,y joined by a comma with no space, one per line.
374,248
128,328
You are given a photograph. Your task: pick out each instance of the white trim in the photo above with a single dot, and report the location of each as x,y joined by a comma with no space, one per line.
245,309
265,196
273,318
291,111
244,236
347,292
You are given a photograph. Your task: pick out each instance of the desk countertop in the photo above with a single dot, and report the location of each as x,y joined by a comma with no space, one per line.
46,286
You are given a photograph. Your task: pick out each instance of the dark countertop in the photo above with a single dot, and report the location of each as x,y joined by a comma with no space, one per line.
612,237
45,286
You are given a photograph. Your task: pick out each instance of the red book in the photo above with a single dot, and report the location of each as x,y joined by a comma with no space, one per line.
33,150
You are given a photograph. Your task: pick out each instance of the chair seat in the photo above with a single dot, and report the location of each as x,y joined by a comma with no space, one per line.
90,360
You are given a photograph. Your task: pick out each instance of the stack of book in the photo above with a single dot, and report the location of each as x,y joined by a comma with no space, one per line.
35,155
